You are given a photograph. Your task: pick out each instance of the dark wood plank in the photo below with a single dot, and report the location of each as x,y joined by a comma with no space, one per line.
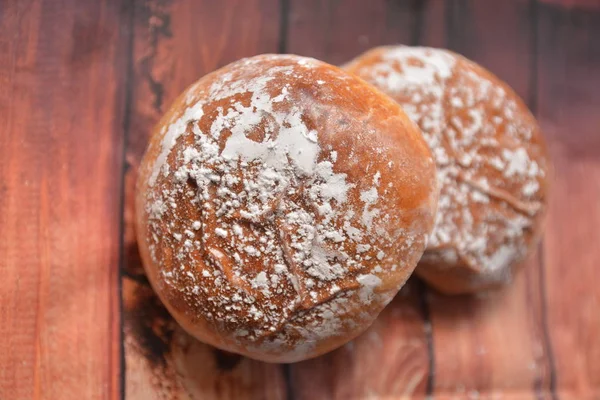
391,360
62,75
433,25
498,36
176,42
337,31
493,343
568,103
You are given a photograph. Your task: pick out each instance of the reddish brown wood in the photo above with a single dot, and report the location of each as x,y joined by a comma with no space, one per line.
176,42
501,38
487,346
433,24
569,78
495,342
336,31
62,72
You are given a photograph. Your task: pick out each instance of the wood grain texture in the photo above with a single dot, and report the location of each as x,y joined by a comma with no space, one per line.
175,43
80,80
433,28
491,344
500,345
61,111
337,31
568,102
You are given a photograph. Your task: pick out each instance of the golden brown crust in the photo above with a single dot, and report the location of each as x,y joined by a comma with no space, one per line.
492,163
281,204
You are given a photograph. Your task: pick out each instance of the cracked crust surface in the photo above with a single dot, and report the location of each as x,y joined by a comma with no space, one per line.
281,204
492,163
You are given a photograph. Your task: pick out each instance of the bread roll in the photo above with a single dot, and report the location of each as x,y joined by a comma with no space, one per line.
281,204
492,163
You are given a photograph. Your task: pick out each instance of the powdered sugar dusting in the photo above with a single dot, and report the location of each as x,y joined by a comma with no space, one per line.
176,129
489,181
244,183
417,67
369,197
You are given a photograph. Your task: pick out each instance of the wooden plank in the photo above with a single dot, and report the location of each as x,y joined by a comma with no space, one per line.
336,32
176,42
433,24
390,360
569,78
495,343
62,75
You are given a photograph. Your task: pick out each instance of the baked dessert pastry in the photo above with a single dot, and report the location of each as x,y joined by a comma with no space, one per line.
281,204
492,163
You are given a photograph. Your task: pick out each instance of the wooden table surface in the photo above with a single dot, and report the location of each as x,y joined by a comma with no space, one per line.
83,81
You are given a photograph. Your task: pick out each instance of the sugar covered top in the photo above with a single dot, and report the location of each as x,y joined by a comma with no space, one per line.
275,207
492,166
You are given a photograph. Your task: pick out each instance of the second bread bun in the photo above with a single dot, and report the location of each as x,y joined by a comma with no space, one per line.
281,204
492,163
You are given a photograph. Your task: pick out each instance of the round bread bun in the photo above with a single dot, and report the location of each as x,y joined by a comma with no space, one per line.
492,163
281,204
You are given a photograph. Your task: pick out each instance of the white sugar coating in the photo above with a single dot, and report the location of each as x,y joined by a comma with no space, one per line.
250,184
294,140
530,188
434,66
517,162
321,267
376,178
368,282
461,113
221,232
261,280
193,113
369,197
333,186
